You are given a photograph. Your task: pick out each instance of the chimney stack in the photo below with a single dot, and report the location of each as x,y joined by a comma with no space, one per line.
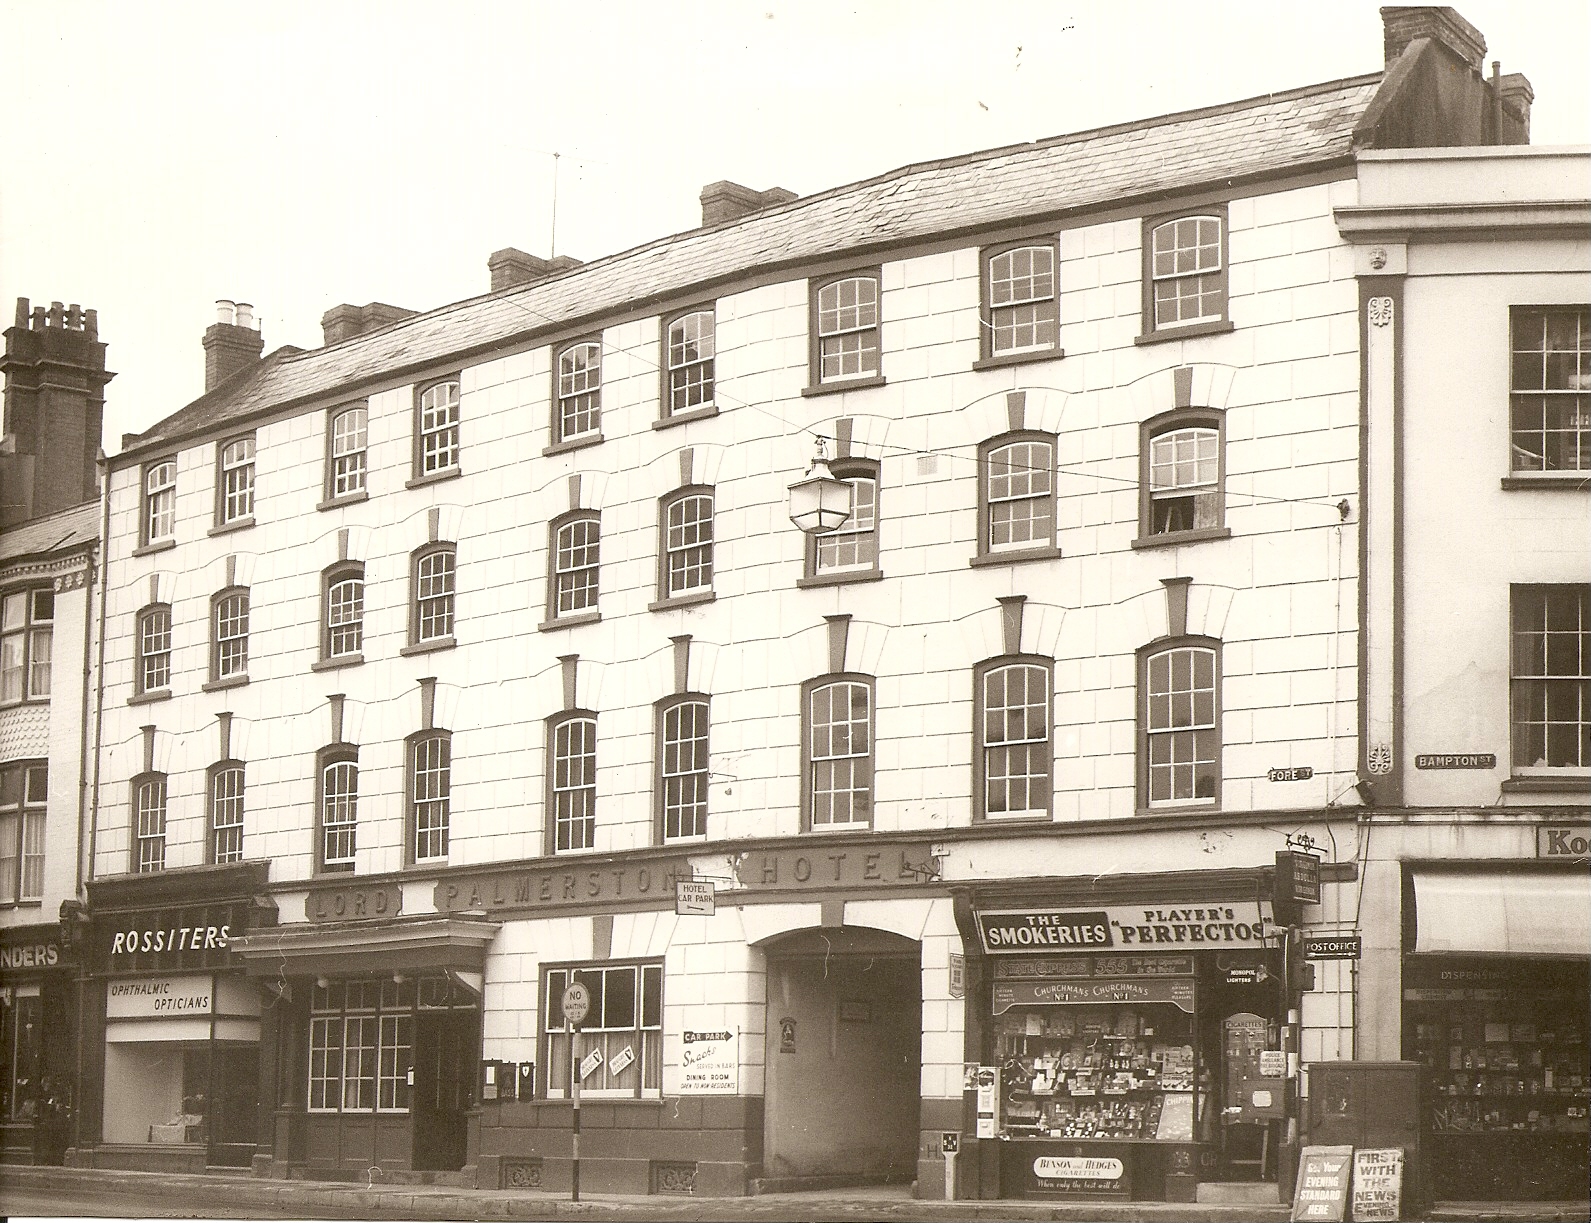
230,343
1517,96
726,201
55,376
510,267
1404,24
344,322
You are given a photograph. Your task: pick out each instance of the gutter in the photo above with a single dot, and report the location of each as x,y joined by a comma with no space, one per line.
85,868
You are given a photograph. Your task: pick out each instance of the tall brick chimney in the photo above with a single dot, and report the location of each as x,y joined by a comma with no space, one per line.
345,321
55,376
230,343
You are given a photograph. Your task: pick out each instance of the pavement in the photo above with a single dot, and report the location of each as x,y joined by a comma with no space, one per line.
238,1194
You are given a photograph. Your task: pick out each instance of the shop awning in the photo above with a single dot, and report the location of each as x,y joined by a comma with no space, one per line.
346,949
1502,913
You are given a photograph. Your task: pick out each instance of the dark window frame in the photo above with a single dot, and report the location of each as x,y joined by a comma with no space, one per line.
238,674
1176,421
141,686
417,617
555,613
394,1005
147,538
331,578
647,1004
660,774
1549,679
559,437
329,492
225,517
424,468
816,382
707,405
1151,332
988,354
138,864
326,758
1576,399
33,630
988,553
848,470
666,595
981,748
562,718
808,787
212,800
412,800
1144,660
31,813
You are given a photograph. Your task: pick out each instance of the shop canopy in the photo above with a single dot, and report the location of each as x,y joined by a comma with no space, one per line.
350,949
1502,913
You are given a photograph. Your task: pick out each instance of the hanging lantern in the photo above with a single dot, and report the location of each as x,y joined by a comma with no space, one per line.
821,501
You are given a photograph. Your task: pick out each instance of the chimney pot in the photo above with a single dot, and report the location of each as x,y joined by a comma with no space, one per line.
22,312
245,314
223,311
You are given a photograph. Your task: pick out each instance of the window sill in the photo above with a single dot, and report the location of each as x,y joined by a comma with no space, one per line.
842,384
221,685
1560,482
1016,556
839,579
1041,817
574,443
226,528
674,601
1172,538
1192,806
1001,360
685,418
336,664
150,697
335,868
435,477
570,621
160,545
428,647
1191,331
1579,784
332,503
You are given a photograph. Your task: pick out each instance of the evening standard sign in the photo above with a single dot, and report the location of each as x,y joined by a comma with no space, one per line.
1239,924
710,1063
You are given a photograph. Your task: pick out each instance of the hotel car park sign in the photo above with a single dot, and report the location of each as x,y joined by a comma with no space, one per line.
1162,927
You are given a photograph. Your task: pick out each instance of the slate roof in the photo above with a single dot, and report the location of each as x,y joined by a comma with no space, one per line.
1181,152
60,531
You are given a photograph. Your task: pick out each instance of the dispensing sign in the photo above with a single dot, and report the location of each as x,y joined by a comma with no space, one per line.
576,1003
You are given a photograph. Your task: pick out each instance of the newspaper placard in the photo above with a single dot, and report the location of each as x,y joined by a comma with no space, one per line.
710,1063
1378,1185
1323,1175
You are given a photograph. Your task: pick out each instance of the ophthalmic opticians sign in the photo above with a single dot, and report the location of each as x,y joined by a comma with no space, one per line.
1235,924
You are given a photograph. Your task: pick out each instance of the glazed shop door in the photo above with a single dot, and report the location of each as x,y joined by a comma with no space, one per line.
444,1059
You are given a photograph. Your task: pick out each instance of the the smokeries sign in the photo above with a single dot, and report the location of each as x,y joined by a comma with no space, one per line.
1182,926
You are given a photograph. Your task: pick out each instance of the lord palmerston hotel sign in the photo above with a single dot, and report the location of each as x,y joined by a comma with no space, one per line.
1186,926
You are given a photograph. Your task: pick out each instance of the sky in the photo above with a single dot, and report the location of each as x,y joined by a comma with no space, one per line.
162,155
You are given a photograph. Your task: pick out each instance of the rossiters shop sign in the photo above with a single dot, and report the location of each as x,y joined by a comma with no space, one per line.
1162,927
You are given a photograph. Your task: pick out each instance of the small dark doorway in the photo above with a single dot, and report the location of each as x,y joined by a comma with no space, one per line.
444,1062
844,1058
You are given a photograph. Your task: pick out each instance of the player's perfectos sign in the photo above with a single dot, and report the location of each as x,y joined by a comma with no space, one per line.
710,1063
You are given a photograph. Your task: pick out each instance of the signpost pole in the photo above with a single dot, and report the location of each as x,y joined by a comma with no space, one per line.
574,1095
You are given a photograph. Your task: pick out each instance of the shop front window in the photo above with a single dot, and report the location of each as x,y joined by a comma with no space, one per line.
361,1046
624,1025
20,1038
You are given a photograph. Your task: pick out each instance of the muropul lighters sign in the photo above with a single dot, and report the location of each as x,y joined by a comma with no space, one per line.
1237,924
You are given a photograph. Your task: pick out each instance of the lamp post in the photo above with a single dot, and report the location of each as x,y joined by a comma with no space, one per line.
820,501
